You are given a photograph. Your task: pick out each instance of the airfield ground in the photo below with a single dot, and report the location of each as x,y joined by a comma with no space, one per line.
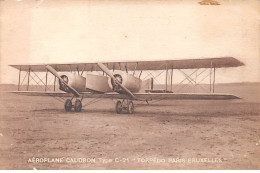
178,134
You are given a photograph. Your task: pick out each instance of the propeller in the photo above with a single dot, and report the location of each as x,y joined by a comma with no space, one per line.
55,73
110,74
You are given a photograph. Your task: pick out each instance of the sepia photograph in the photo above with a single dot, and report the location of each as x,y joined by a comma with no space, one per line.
129,85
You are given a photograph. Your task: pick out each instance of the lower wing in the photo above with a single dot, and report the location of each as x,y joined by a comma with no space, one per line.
141,96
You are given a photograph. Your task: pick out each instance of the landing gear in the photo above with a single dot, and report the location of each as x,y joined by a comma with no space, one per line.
77,106
126,105
130,107
68,105
119,107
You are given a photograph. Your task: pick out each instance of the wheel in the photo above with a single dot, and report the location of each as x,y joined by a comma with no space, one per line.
68,105
130,107
119,107
77,106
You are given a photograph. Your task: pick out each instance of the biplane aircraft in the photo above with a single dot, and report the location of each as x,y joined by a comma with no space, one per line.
120,80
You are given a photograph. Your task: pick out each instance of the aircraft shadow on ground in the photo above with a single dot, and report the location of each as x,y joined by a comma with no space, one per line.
137,113
83,111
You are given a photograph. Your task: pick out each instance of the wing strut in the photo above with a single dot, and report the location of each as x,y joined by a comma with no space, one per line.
19,79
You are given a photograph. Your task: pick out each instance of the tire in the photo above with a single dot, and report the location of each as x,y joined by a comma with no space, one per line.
119,107
78,105
68,105
130,107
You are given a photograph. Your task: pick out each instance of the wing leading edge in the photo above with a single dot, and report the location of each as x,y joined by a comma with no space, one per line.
222,62
142,96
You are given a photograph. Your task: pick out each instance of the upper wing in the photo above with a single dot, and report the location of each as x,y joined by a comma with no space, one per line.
142,96
138,65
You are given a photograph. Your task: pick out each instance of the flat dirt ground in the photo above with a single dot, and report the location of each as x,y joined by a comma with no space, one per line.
36,133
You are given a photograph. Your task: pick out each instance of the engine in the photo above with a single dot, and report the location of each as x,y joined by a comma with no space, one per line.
75,81
129,81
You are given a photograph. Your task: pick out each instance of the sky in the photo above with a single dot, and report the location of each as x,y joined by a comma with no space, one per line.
66,31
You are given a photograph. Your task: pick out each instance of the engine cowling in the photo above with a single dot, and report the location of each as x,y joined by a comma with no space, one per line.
75,81
129,81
